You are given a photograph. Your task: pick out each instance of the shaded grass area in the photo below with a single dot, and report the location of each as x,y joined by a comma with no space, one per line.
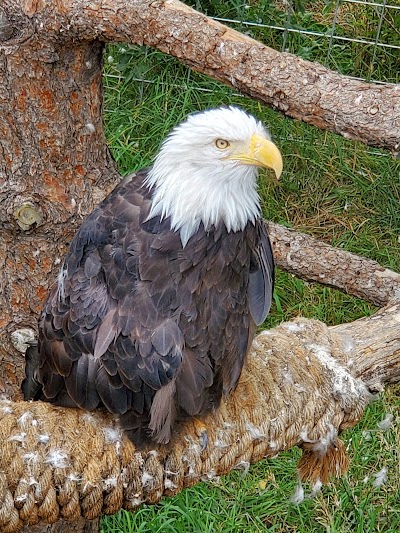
339,191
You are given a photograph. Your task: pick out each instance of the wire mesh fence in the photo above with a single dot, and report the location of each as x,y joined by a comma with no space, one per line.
358,38
355,37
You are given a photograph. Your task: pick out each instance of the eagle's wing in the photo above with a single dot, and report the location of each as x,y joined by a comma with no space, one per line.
261,282
106,338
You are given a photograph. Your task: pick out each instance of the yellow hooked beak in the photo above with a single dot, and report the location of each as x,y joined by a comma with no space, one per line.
260,152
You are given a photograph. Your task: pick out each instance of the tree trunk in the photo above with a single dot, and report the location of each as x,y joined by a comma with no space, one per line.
54,167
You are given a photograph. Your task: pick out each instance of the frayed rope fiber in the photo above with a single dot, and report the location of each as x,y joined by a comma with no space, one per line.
296,389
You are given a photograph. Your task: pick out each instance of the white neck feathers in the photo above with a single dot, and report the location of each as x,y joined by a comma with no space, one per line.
192,195
193,183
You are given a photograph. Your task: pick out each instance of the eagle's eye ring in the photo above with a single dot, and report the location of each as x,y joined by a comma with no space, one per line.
221,144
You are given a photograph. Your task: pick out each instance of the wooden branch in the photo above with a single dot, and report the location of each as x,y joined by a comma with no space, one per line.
300,89
46,475
375,346
313,260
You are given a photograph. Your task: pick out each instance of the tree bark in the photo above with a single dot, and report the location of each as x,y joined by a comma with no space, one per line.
54,167
313,260
300,89
376,344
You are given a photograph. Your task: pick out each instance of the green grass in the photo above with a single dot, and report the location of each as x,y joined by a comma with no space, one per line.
339,191
352,22
260,501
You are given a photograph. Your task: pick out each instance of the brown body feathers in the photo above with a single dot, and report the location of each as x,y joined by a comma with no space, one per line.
149,328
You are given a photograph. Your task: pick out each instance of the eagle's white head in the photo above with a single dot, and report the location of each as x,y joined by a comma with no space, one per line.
206,171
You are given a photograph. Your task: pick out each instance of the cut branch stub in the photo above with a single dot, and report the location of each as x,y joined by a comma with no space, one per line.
375,346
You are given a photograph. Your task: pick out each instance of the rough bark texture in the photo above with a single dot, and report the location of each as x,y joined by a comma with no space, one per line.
376,344
54,167
313,260
301,89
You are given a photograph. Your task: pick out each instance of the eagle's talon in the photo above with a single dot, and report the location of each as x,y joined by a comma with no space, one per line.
201,432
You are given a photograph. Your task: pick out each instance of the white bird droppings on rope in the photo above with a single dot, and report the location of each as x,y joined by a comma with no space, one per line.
110,482
57,459
30,457
146,478
18,437
294,327
25,420
322,444
43,438
255,432
345,386
169,484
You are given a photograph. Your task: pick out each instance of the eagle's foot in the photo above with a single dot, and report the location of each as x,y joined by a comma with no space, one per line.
201,432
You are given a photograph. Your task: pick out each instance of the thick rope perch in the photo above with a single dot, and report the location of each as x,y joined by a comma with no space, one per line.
301,387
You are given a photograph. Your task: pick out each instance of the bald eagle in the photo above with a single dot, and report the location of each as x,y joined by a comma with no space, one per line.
158,297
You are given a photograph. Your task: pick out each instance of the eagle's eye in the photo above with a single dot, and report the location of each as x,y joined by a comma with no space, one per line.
221,144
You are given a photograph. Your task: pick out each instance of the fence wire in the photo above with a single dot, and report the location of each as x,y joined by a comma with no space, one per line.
358,38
